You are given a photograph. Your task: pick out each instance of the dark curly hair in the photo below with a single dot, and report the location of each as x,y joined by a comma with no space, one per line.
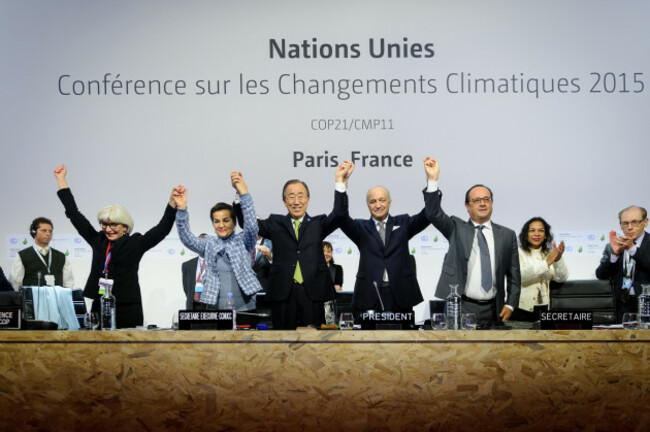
548,237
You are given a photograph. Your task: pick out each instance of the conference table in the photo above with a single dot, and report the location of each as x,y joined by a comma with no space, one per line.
325,380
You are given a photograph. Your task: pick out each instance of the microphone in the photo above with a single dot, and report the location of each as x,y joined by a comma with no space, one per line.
38,274
378,296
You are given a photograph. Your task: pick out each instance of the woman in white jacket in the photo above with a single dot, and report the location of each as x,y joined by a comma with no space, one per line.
540,261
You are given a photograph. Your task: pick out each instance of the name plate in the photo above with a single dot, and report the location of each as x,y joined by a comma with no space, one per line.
566,320
377,320
10,318
205,320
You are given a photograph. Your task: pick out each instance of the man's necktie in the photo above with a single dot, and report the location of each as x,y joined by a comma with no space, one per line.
486,265
382,231
44,251
297,275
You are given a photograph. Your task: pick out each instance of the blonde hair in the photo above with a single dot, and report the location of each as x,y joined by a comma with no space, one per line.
116,214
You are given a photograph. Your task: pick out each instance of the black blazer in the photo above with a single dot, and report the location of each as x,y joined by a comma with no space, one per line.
125,261
394,257
614,272
308,249
336,272
460,235
188,269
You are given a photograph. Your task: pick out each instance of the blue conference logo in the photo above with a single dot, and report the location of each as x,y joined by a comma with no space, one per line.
424,238
13,241
77,240
591,237
171,251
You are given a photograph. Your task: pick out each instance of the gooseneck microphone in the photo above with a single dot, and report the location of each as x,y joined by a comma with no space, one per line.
378,296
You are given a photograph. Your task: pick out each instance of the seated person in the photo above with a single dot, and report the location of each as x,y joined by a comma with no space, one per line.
41,264
540,261
336,271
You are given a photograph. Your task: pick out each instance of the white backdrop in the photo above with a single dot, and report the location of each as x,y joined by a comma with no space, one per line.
562,132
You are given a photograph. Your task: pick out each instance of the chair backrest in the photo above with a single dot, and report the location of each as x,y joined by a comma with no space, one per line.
595,296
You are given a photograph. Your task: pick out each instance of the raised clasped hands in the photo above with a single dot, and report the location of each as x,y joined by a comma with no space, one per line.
344,171
432,168
237,181
178,197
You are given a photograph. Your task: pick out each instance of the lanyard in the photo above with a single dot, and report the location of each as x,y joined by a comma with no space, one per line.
201,271
47,264
108,259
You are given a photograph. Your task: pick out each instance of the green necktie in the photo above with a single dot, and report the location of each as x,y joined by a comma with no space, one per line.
297,275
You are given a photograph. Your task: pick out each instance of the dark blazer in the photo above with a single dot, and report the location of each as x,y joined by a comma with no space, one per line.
125,261
262,265
394,257
460,235
308,249
336,272
188,269
4,283
614,272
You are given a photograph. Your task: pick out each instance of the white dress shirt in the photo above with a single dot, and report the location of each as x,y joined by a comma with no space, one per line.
18,271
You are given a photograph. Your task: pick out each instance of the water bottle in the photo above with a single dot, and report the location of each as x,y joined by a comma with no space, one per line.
229,304
644,307
453,308
107,306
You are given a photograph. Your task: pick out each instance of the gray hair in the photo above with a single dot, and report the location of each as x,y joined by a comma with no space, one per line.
116,214
644,212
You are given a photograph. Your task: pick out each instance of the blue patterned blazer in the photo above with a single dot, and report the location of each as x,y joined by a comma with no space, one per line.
238,247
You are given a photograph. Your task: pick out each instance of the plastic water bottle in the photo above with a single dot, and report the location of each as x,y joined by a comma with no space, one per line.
230,305
453,308
107,306
644,307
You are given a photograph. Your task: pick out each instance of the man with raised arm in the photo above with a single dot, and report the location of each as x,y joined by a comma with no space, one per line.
482,258
299,281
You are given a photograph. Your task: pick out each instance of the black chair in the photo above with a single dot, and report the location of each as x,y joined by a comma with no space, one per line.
77,300
595,296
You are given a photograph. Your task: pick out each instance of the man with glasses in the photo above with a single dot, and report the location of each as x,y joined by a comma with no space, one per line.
299,280
482,255
41,264
626,259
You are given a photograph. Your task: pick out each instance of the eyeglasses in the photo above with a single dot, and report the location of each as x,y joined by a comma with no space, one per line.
296,198
111,225
486,200
634,223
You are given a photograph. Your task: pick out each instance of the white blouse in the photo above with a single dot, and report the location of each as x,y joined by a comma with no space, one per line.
536,276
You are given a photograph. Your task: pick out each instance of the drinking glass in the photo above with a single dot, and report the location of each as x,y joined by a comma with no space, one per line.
630,320
468,321
347,321
91,320
439,321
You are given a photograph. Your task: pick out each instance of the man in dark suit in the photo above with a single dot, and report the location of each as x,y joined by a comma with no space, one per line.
481,255
386,278
299,281
193,272
626,259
